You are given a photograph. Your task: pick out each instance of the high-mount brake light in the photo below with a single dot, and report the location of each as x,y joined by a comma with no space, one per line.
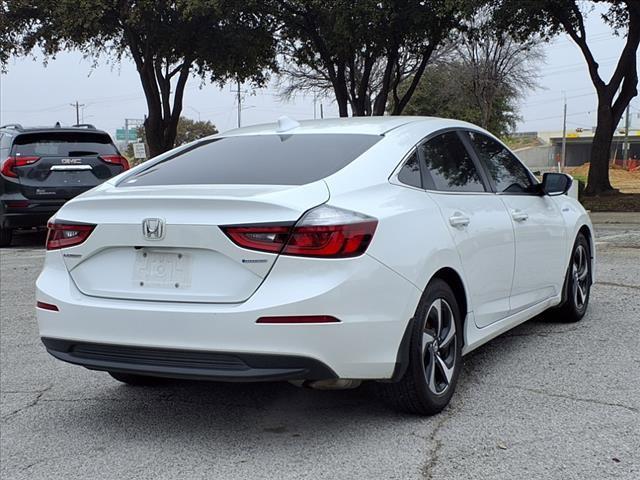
62,235
9,165
116,160
324,232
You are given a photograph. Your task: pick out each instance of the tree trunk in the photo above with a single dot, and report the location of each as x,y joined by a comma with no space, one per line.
598,181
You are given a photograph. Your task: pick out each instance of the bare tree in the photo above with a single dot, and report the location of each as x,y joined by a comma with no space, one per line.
362,51
496,65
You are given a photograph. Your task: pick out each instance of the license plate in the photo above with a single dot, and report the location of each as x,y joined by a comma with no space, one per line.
162,270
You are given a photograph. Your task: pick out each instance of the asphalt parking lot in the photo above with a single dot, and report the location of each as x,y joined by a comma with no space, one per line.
545,400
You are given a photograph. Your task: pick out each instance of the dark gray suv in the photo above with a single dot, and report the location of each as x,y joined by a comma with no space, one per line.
43,167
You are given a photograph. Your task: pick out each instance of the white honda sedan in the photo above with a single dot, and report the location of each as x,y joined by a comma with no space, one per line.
323,252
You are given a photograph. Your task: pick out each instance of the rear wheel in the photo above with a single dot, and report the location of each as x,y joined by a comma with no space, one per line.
577,284
434,359
5,237
137,380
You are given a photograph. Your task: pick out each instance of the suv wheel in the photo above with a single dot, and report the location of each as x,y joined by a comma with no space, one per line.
434,358
5,237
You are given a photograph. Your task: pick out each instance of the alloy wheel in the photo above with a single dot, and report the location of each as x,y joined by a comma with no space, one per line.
580,272
439,346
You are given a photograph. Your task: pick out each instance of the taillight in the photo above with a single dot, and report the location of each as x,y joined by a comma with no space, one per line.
327,232
62,235
11,163
116,160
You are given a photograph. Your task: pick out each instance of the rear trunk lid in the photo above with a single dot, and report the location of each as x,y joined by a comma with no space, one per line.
68,163
190,259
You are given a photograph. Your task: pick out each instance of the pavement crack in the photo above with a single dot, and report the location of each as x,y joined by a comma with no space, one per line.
573,397
33,403
622,285
432,461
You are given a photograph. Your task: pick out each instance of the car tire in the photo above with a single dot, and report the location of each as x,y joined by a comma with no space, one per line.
430,378
577,286
137,380
5,237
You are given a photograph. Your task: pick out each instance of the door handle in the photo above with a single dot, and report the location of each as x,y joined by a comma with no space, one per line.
459,220
519,215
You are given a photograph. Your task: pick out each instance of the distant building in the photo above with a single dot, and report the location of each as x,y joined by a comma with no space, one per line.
578,146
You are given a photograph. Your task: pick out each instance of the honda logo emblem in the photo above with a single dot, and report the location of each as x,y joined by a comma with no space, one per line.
153,228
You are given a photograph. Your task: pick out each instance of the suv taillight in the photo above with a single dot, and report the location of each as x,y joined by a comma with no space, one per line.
116,160
62,235
326,232
11,163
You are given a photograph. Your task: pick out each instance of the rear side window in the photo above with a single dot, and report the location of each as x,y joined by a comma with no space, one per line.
506,171
257,160
450,165
63,144
410,172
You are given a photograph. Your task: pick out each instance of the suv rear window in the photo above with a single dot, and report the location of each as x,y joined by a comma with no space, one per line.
64,144
257,160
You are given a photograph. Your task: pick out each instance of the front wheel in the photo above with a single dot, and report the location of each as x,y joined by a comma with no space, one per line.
435,355
577,283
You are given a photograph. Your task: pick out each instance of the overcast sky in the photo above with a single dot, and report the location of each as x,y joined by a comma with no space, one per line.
33,94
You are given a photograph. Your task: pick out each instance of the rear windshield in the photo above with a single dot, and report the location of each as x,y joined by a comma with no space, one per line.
257,160
65,144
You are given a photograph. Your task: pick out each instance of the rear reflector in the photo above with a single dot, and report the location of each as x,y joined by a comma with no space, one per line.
299,319
9,165
47,306
326,232
116,160
17,203
63,235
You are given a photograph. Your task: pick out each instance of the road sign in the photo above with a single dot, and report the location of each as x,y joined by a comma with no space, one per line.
139,151
121,134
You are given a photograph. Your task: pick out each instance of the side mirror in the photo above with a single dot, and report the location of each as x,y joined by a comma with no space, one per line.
556,184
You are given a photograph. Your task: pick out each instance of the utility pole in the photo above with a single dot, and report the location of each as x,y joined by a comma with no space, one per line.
314,105
239,105
564,136
625,144
321,111
77,107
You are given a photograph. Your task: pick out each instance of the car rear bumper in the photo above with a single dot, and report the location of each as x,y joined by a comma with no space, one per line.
188,364
373,304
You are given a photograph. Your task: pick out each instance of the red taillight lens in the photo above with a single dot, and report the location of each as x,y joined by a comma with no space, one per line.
63,235
325,231
299,319
116,160
11,163
337,241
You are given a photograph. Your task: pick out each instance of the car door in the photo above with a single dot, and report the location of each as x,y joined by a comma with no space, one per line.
537,222
477,220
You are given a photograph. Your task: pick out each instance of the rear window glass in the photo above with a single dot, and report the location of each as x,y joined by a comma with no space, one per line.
65,144
257,160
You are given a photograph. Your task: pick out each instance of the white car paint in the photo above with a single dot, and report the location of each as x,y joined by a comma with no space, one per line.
511,267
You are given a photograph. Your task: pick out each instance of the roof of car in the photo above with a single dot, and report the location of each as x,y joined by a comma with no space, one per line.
17,129
352,125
